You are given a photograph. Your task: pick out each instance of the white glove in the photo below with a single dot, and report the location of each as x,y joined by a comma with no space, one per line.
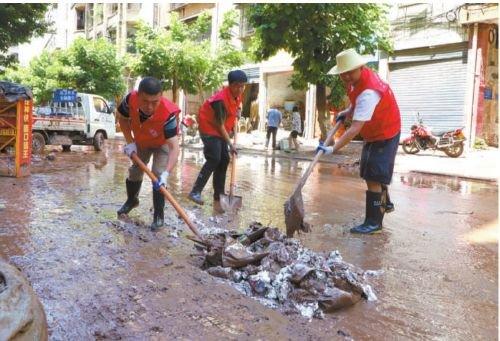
130,149
326,150
162,181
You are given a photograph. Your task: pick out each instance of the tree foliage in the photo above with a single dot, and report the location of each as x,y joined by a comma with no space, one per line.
18,23
87,66
182,56
314,34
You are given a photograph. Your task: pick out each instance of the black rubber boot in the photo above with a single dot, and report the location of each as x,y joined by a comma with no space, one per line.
158,211
389,206
133,188
374,214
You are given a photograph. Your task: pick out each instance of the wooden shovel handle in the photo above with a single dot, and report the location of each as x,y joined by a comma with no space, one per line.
167,195
233,168
317,157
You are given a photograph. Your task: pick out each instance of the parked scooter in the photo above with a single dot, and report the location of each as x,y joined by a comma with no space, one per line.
450,141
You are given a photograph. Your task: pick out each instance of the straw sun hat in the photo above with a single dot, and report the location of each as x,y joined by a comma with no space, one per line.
346,61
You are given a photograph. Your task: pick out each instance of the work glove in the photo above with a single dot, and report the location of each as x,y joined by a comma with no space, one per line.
130,149
341,118
232,149
326,150
162,181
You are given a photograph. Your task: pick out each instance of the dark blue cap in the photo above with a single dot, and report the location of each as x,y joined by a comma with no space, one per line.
237,76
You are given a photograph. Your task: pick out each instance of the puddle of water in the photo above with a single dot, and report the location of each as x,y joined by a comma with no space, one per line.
55,226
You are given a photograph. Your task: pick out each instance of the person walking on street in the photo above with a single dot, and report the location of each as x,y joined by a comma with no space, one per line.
274,117
375,115
149,123
217,119
296,129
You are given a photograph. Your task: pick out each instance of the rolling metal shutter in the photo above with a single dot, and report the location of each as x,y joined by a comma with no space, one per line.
252,74
431,82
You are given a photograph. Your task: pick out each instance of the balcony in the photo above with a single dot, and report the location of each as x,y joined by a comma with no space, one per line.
176,6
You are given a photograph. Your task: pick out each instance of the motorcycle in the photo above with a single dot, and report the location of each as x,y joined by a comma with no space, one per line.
451,141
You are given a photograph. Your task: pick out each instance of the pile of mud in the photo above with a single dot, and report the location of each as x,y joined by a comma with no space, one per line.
279,272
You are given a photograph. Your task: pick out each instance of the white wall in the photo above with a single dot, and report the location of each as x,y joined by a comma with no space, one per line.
416,25
279,89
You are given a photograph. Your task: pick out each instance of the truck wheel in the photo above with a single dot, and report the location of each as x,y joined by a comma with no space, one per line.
98,141
66,147
38,143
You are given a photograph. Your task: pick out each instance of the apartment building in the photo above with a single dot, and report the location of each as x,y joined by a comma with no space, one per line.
444,64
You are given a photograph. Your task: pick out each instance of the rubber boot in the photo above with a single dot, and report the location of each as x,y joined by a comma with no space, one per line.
133,188
158,211
389,206
374,214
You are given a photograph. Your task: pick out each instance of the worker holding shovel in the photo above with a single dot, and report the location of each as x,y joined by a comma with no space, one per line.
375,115
149,123
217,118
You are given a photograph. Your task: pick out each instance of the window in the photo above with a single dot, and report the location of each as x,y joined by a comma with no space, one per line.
131,33
245,28
91,15
99,13
202,36
112,35
134,6
100,105
156,15
80,19
113,9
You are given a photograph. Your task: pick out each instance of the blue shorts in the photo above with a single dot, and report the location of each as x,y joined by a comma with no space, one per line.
377,160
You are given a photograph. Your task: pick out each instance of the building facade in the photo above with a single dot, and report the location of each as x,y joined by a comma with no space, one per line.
438,68
444,65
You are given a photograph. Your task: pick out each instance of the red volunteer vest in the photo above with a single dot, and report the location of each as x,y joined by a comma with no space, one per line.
207,116
149,134
386,120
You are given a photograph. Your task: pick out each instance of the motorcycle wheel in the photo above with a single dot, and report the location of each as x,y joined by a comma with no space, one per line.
410,148
454,151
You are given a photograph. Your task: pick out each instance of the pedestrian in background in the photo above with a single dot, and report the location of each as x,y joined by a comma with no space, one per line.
296,129
274,117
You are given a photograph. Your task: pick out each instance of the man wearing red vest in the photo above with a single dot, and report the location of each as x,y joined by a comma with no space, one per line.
217,119
149,123
375,115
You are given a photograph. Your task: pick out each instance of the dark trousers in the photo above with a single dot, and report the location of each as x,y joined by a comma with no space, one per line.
274,131
216,154
377,160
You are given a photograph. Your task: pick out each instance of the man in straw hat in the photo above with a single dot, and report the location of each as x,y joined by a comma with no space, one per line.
375,115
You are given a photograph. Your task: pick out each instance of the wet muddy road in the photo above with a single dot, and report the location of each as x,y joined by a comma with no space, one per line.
103,278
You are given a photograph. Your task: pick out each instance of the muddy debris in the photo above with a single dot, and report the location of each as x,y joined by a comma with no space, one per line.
282,274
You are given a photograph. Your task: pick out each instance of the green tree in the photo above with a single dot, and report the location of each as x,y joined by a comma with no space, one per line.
43,74
18,23
87,66
95,67
314,34
182,56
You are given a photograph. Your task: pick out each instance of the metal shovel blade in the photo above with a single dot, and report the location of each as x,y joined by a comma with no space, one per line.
294,215
230,203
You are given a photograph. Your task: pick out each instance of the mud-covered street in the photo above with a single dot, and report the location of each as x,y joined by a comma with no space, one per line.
102,278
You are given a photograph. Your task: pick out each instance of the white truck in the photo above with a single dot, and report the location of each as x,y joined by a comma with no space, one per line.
85,120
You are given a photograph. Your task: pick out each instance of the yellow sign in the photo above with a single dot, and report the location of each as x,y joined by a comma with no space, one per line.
7,132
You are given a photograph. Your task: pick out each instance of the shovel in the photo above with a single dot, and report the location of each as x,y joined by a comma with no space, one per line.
231,202
171,200
294,206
